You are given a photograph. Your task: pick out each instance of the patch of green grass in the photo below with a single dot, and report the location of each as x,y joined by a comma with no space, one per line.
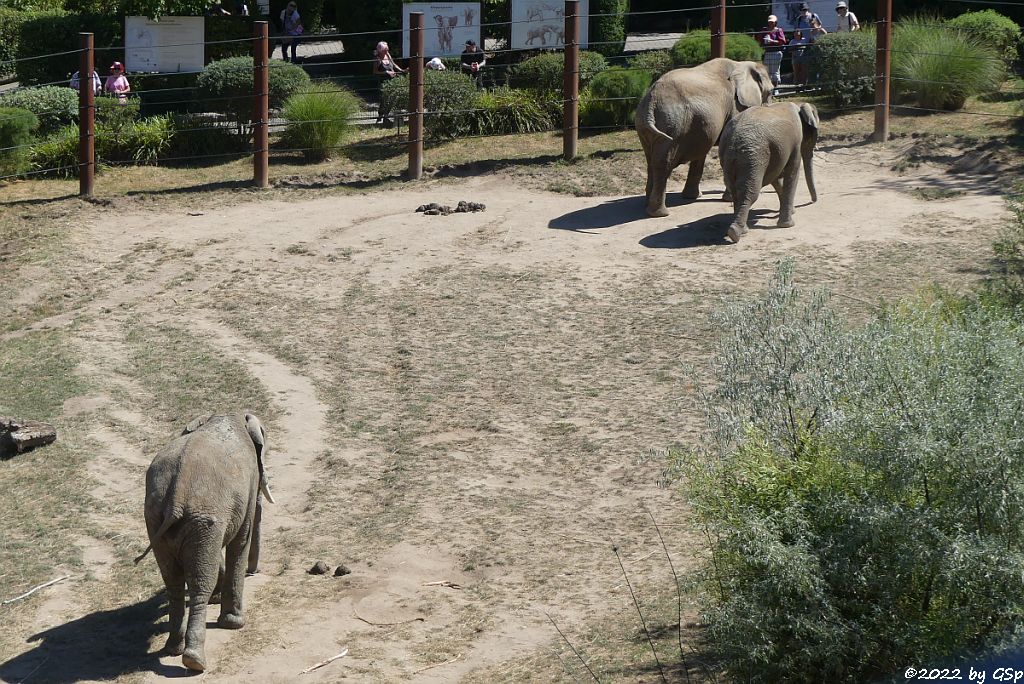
936,193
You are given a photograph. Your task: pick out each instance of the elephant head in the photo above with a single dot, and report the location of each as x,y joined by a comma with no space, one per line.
751,84
809,121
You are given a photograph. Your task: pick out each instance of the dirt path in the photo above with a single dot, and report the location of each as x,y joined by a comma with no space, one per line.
470,400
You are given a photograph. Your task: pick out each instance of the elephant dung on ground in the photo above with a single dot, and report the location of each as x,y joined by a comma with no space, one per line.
766,146
682,115
203,496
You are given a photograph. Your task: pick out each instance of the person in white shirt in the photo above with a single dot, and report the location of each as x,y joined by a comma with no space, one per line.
847,19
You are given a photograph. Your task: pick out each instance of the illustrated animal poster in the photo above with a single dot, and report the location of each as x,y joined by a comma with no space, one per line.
788,11
169,44
538,24
447,26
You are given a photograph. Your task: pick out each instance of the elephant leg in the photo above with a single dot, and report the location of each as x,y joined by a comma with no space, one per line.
174,580
254,542
650,182
231,607
787,193
692,188
202,565
745,195
662,162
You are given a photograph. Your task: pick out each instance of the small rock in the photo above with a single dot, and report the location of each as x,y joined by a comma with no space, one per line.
319,568
342,570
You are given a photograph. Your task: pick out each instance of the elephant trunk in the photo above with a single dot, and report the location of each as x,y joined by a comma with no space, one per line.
808,159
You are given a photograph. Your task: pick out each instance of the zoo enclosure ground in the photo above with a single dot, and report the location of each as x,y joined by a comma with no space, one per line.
478,399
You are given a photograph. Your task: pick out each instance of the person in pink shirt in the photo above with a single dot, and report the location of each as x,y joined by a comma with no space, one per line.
117,83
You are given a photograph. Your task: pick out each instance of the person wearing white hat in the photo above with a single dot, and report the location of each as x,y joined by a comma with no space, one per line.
773,39
847,19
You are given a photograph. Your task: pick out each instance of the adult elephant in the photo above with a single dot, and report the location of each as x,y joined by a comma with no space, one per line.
765,146
682,115
202,498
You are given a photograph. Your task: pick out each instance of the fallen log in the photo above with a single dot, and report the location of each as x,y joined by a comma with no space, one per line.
18,436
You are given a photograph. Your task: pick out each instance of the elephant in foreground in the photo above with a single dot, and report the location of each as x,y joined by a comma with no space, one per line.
765,146
203,497
682,115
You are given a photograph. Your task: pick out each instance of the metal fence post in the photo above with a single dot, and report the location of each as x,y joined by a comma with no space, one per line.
86,118
415,95
883,54
571,81
260,105
718,30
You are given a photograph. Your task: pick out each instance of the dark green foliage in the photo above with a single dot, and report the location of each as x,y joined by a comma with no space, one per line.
506,110
544,72
198,137
57,31
319,117
1006,287
654,62
58,151
447,98
607,34
614,94
993,29
695,48
382,19
496,13
229,82
53,106
845,65
10,23
164,93
16,128
862,491
228,28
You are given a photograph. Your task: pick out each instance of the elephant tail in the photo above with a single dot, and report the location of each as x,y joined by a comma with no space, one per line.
145,553
645,118
168,521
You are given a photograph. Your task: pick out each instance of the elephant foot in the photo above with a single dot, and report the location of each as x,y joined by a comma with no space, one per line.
691,194
230,621
193,659
214,599
174,647
657,213
727,196
785,223
735,233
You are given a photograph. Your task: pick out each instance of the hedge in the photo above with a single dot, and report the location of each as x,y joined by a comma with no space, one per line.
228,84
16,127
994,29
608,33
53,106
695,48
544,72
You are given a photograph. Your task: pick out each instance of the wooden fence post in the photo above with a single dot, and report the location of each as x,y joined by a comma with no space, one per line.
883,63
260,105
415,95
86,117
718,30
571,81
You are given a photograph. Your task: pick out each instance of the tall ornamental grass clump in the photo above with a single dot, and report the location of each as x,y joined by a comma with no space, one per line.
862,491
695,48
16,128
938,67
509,110
319,117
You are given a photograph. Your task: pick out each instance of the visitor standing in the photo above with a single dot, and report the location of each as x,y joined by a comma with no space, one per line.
773,40
384,68
291,29
117,83
847,19
473,62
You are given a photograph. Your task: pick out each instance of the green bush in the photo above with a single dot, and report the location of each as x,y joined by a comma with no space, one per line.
607,30
654,62
447,98
319,117
860,490
614,94
544,72
16,128
142,141
993,29
52,31
196,136
58,151
507,110
54,106
939,68
164,93
1006,287
845,66
695,48
228,83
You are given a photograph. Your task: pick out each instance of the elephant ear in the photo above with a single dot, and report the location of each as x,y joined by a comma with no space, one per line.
809,115
195,424
752,87
259,440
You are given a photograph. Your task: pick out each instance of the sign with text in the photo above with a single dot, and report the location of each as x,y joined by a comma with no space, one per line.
538,24
446,27
171,44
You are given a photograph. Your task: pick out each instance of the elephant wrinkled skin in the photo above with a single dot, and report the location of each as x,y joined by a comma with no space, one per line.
682,115
765,146
202,497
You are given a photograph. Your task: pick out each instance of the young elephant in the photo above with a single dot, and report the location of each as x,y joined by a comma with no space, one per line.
765,146
202,497
681,117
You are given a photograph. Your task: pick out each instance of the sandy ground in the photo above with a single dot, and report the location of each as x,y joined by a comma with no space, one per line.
470,399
